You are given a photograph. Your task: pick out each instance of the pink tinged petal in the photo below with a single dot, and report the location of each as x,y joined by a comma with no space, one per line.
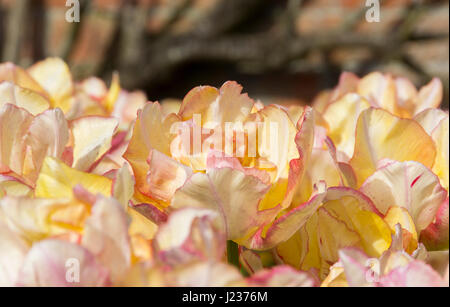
230,192
56,263
165,176
14,124
92,139
123,186
127,106
25,98
358,271
218,160
282,276
14,187
380,90
250,260
415,274
285,226
204,274
106,236
230,106
436,235
113,159
430,96
406,94
197,101
151,131
346,173
409,185
304,139
12,254
151,212
48,135
348,83
333,235
188,235
429,119
17,75
94,87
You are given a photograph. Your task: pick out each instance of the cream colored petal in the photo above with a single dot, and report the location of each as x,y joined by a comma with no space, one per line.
106,236
441,165
31,101
409,185
54,76
56,263
342,116
92,139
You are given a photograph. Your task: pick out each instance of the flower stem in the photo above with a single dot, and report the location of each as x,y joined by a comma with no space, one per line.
233,253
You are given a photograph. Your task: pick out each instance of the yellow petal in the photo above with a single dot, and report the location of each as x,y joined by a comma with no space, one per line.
123,186
57,180
379,90
35,219
276,140
48,135
31,101
380,135
197,101
357,214
18,76
342,116
302,249
441,165
92,139
13,187
430,96
54,76
399,215
151,131
113,93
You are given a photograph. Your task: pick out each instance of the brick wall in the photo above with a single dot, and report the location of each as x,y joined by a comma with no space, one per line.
87,46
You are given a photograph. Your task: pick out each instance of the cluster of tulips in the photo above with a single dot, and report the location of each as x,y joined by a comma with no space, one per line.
97,187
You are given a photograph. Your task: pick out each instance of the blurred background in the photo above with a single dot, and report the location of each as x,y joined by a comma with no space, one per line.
279,50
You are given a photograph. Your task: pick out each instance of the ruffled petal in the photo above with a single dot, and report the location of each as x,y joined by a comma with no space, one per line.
57,180
380,135
56,263
409,185
25,98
